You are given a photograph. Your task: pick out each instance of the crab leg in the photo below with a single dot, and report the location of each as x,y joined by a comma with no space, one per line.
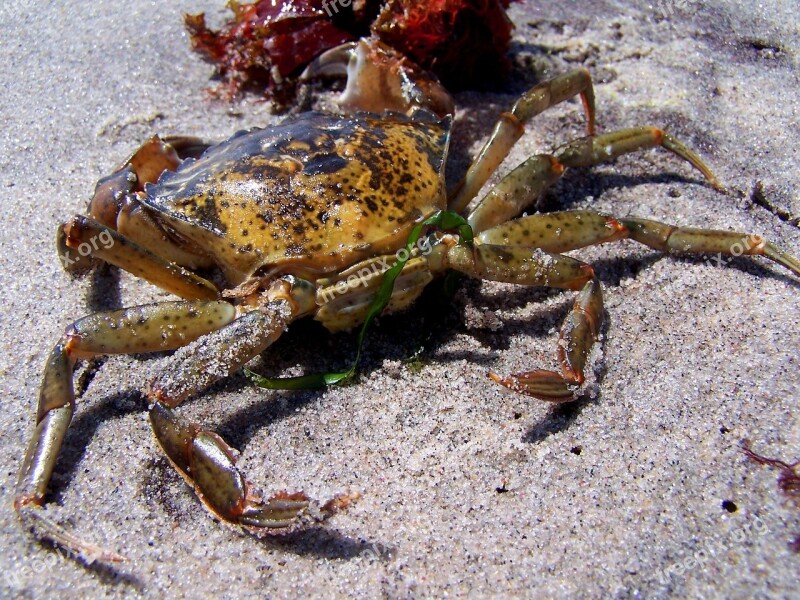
684,240
557,231
526,266
510,127
502,256
527,182
578,334
108,194
86,237
216,356
593,150
208,465
114,202
203,458
569,230
380,79
148,328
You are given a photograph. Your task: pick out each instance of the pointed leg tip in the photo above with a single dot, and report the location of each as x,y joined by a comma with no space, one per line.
46,529
339,503
717,185
104,555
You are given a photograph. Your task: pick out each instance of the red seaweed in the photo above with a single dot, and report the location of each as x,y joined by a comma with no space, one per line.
269,42
264,44
463,41
788,480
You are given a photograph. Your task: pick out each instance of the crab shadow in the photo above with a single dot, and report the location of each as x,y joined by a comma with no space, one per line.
558,419
317,541
83,428
104,292
321,542
116,576
419,336
420,332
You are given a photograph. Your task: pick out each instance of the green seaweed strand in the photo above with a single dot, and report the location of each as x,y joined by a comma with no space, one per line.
443,220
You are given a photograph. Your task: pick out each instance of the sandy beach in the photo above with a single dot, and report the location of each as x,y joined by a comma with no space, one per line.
640,489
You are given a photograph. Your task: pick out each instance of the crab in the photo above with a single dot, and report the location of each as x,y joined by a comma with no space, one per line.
304,219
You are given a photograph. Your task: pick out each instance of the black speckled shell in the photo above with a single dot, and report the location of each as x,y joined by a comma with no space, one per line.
312,195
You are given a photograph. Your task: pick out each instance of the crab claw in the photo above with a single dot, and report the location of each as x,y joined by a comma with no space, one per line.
208,465
545,385
380,79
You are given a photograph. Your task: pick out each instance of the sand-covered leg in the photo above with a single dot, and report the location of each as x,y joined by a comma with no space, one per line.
208,465
86,237
203,458
525,266
149,328
511,125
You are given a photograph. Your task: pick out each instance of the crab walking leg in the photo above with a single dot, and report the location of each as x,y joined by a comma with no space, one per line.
208,465
148,328
510,127
557,231
527,182
90,238
203,458
216,356
578,334
573,229
593,150
684,240
526,266
517,190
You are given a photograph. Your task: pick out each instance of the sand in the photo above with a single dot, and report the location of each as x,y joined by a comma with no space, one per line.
467,488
